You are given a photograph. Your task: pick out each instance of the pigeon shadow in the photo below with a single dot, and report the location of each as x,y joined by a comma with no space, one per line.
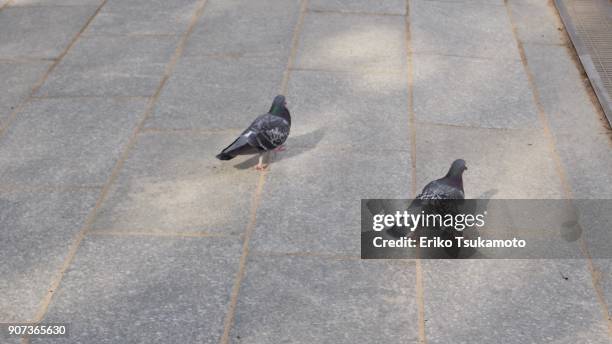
297,145
251,162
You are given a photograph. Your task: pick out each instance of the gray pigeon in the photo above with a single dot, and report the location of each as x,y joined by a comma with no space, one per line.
267,132
447,188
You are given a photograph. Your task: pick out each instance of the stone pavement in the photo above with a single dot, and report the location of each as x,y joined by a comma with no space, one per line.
116,217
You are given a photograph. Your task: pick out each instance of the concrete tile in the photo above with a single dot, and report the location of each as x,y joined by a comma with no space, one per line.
216,93
511,301
581,137
335,301
359,43
474,92
587,162
37,230
111,66
562,90
50,3
16,82
261,29
40,32
479,2
143,289
351,142
501,163
448,28
67,141
143,17
173,182
604,267
361,6
12,340
360,110
323,182
595,219
536,21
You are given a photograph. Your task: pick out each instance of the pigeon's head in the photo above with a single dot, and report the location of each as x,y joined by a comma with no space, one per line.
279,102
279,108
457,168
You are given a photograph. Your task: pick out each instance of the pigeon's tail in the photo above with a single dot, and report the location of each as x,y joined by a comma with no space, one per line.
225,156
238,147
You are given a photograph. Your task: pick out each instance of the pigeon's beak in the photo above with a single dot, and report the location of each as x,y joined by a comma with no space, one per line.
465,168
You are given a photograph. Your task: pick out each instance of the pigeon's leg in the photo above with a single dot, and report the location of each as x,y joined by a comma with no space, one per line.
260,166
280,148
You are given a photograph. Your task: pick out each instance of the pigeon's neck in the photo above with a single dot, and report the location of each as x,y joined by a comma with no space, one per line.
454,180
281,111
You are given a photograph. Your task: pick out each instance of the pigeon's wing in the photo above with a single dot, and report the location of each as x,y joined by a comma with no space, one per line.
440,190
256,125
267,132
245,143
240,146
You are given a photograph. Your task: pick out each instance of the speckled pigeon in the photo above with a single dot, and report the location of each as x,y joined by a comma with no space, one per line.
446,188
267,132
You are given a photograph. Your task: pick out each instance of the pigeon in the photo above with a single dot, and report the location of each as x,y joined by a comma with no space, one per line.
441,196
448,187
267,132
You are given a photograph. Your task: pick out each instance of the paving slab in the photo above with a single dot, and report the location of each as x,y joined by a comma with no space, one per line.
16,82
351,143
352,42
143,289
474,92
583,142
143,17
448,28
511,301
173,183
536,22
40,32
24,3
216,93
595,219
471,2
511,164
561,90
258,29
359,110
604,267
362,6
335,301
327,186
587,164
55,142
36,233
111,66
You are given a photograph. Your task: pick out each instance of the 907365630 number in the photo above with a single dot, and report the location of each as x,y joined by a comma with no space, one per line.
34,330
